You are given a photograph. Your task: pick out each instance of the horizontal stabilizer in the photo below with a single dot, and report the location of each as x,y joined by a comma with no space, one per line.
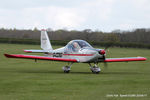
34,51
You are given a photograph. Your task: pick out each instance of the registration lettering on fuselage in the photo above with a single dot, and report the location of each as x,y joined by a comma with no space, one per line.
57,54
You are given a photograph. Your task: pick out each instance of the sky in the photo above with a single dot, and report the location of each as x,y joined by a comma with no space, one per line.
101,15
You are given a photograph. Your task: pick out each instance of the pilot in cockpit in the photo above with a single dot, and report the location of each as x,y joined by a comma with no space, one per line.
76,46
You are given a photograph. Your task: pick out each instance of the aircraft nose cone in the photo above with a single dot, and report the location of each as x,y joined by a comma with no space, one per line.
102,52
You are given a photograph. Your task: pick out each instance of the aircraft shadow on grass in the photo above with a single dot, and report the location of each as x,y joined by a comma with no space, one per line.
60,72
50,72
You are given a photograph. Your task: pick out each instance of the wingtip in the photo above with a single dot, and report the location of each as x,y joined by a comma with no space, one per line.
11,55
6,55
145,59
27,51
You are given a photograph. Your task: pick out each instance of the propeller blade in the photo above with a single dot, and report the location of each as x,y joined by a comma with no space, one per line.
105,63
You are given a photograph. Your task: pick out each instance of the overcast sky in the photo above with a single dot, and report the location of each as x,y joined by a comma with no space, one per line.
104,15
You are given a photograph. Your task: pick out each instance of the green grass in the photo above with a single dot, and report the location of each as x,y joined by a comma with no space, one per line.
22,79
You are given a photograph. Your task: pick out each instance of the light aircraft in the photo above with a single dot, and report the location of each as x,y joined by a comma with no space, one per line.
76,51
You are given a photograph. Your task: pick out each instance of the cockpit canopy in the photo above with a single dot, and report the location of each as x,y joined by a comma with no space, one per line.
76,45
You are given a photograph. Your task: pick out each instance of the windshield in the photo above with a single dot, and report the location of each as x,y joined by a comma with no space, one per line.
83,44
76,45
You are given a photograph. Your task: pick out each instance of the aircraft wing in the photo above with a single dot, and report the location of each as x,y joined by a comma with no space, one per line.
125,59
40,57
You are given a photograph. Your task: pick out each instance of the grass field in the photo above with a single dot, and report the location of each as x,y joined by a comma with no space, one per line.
22,79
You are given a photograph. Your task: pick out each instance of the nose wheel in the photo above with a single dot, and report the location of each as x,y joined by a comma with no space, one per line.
95,69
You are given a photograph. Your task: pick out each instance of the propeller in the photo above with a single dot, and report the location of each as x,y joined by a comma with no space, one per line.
104,56
103,53
105,63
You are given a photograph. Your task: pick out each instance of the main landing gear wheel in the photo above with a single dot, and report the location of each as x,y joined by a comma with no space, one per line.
66,69
95,69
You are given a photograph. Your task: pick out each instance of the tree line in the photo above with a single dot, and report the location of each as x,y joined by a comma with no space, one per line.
133,37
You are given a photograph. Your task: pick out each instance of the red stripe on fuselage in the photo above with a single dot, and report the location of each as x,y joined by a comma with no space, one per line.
74,54
78,54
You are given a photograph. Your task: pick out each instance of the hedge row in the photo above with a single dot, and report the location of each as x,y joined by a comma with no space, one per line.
121,44
29,41
63,43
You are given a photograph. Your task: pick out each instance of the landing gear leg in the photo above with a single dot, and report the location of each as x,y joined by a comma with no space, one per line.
95,69
67,69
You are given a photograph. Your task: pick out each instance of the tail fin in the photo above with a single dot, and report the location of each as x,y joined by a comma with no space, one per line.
45,42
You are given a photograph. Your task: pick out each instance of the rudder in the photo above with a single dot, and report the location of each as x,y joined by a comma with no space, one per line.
45,42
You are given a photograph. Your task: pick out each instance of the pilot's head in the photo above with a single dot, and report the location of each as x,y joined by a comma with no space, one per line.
75,44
